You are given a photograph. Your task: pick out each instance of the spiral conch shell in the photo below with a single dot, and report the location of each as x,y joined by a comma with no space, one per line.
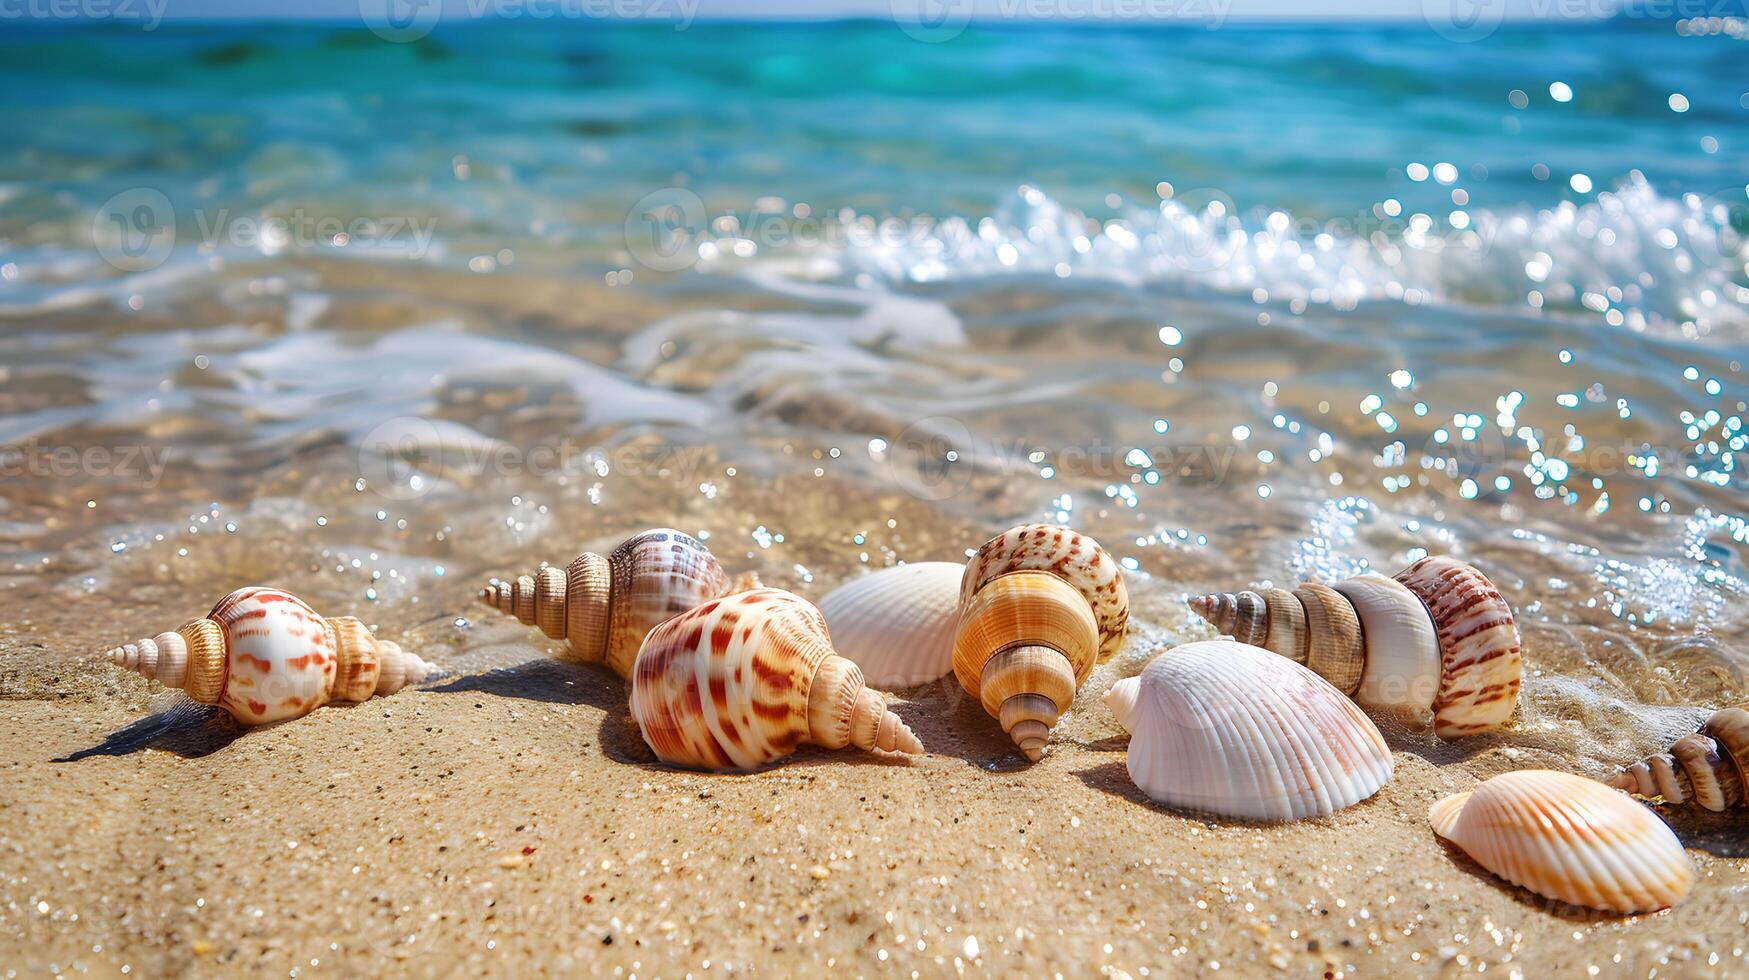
1707,769
603,607
897,623
1436,636
1231,729
1568,838
264,655
742,680
1039,605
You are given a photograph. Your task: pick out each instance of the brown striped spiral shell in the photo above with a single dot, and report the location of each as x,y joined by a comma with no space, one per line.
1437,636
603,607
1707,769
743,680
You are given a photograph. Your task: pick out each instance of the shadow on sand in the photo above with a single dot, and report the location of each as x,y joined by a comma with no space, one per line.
188,728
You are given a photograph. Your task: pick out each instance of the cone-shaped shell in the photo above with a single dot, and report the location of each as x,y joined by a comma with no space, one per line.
1437,637
1235,730
1071,556
264,655
1708,769
742,680
897,624
604,606
1568,838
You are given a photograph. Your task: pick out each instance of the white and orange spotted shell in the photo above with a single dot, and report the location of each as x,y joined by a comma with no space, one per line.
604,606
1073,557
743,680
1435,638
264,655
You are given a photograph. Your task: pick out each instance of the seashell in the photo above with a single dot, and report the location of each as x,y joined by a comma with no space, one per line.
1706,769
742,680
603,607
1231,729
264,655
1568,838
1039,604
897,624
1438,636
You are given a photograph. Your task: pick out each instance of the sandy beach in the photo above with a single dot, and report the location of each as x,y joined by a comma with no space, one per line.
513,820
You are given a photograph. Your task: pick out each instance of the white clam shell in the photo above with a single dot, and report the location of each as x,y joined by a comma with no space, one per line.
1568,838
1235,730
897,624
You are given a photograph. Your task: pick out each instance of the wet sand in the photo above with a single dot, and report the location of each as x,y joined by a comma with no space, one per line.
513,819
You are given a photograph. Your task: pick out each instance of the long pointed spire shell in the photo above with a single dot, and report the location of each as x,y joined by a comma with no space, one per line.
1039,605
264,655
1437,637
1708,769
743,680
603,606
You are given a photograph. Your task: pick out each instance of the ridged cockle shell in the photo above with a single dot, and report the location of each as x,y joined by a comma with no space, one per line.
604,606
1707,769
1568,838
742,680
264,655
1039,605
897,623
1436,636
1234,730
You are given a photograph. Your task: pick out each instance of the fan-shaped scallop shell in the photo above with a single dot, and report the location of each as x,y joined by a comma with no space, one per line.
1074,557
897,624
742,680
1235,730
1569,838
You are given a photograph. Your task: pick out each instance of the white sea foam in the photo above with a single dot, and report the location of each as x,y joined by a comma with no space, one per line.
1630,257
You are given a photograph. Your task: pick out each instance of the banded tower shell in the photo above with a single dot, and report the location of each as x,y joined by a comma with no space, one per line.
1039,606
264,655
1437,636
1231,729
603,607
897,624
1568,838
742,680
1708,769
